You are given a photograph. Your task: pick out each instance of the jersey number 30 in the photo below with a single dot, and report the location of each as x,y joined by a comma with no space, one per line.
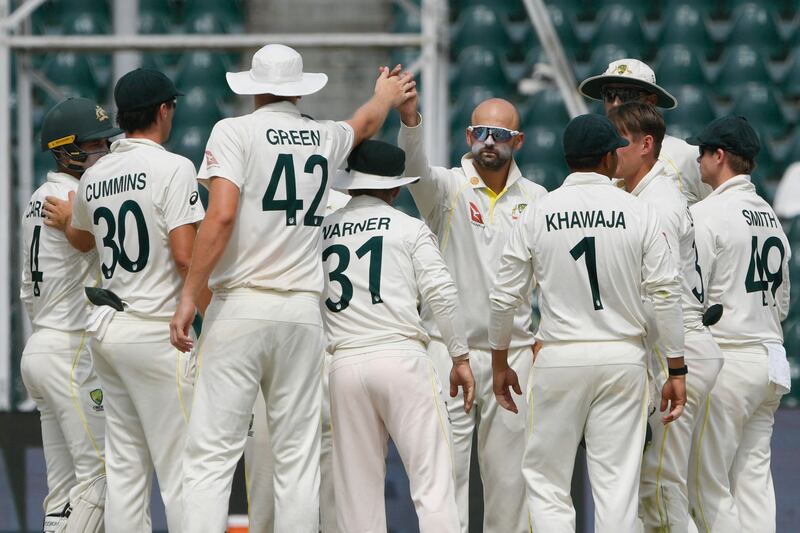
373,247
118,227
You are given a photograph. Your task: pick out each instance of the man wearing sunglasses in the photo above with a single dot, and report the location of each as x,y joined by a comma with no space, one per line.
472,209
629,80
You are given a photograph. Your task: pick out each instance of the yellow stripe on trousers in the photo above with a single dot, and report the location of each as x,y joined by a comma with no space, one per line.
75,359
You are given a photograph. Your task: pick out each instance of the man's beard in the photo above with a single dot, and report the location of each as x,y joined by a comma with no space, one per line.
491,158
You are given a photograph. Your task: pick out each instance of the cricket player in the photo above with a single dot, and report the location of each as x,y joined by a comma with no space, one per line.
269,180
378,262
627,80
138,206
258,456
56,365
471,209
741,243
663,493
591,251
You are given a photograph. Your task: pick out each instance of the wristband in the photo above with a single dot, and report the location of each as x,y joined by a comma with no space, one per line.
679,371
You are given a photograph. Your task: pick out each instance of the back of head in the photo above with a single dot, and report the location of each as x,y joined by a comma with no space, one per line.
587,140
139,95
736,137
638,119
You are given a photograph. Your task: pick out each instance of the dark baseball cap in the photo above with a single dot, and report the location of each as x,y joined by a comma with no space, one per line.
143,87
731,133
591,135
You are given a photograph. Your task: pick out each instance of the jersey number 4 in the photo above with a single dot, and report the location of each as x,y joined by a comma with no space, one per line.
284,166
37,276
759,266
373,247
118,227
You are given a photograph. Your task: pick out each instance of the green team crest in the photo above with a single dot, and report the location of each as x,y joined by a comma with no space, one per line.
97,396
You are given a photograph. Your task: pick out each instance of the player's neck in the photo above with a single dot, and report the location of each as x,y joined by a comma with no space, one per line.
151,134
632,182
494,179
724,176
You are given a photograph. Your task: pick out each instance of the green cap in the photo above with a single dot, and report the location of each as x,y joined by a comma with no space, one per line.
377,158
73,121
731,133
591,135
143,87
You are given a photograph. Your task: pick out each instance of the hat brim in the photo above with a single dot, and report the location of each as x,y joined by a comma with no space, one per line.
591,88
344,181
243,83
104,134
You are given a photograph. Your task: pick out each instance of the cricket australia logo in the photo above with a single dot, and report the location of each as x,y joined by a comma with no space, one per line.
97,397
100,114
517,210
622,69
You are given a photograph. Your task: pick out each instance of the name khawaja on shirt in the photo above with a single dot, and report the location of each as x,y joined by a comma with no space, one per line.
343,229
585,219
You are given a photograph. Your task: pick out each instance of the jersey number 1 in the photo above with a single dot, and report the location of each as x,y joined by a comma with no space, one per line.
284,166
586,246
373,247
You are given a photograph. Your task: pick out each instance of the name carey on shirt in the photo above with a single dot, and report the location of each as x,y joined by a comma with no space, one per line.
343,229
116,185
585,219
35,209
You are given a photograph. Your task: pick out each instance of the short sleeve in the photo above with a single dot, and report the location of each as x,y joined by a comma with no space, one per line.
80,209
224,156
341,136
181,198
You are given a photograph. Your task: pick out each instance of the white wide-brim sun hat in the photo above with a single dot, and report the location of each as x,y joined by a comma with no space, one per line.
354,180
628,72
276,69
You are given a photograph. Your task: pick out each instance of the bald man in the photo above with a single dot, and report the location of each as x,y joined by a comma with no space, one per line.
472,209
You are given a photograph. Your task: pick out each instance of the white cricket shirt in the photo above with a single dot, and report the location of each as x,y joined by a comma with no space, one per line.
379,262
680,160
282,164
741,242
590,250
53,272
658,189
472,224
131,200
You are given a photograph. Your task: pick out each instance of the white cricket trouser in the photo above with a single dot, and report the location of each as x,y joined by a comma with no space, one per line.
501,441
394,392
57,371
237,353
148,389
595,390
663,491
730,487
258,467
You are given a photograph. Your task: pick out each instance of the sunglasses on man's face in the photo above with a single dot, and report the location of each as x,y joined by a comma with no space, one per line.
500,135
625,94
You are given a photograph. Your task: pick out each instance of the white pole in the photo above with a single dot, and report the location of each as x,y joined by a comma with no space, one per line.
567,85
126,22
111,43
25,156
430,81
5,212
